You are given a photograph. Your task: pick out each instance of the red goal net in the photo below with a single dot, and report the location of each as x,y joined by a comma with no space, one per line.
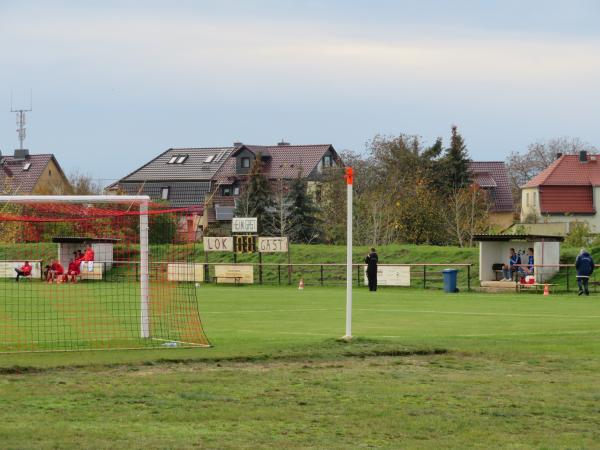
80,273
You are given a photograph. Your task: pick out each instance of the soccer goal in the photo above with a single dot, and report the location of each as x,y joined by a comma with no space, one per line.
97,272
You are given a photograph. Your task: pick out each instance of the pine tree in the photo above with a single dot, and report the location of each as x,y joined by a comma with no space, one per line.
302,213
456,162
256,201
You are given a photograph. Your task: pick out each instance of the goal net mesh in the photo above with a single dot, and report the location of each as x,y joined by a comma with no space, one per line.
75,276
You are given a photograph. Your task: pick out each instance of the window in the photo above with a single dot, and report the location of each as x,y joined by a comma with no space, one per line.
527,199
177,159
327,161
534,198
245,163
26,167
209,158
164,193
226,191
236,190
49,173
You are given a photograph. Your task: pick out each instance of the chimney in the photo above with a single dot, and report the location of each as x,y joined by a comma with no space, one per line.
283,143
559,155
583,156
21,154
238,144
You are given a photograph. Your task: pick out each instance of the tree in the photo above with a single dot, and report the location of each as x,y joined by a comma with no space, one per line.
467,214
256,200
332,204
302,217
83,184
455,163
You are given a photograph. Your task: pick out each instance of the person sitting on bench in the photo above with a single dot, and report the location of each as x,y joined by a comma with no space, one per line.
55,272
528,269
513,265
88,259
24,270
73,270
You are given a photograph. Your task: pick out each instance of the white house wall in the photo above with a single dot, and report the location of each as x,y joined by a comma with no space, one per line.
533,208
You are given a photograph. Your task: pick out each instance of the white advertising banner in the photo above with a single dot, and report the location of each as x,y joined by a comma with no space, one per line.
244,225
218,244
185,272
391,276
272,244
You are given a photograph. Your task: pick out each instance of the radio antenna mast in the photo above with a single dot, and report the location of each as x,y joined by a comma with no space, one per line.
21,130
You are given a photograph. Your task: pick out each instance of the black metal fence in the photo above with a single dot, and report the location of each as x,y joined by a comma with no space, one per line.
334,274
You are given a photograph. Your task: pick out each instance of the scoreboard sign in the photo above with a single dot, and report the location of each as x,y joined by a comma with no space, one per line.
218,244
244,243
244,225
272,244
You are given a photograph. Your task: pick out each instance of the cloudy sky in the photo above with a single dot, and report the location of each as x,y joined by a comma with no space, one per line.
116,82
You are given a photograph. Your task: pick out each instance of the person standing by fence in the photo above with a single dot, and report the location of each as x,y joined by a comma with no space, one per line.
584,264
371,261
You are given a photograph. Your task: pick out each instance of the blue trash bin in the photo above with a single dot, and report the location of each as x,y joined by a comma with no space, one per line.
450,276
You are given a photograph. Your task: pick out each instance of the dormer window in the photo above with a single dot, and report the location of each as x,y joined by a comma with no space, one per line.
245,162
26,167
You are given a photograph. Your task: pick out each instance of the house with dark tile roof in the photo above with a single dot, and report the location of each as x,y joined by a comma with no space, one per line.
23,173
492,176
216,177
567,191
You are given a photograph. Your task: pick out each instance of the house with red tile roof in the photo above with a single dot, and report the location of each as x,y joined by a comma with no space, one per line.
23,173
216,177
492,176
567,191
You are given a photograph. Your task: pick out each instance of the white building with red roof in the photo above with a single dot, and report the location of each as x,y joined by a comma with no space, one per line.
567,191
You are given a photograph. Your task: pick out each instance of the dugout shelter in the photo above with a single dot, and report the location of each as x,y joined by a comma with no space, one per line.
494,249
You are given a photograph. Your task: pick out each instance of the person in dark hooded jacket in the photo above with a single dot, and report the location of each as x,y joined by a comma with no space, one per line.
584,264
371,261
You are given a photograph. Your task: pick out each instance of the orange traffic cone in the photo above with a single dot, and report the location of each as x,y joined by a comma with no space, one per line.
301,284
546,289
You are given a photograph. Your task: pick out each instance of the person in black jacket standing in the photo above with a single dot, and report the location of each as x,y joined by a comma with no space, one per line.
371,261
584,264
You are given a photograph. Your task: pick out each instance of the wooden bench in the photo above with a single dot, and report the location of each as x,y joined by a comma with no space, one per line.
236,280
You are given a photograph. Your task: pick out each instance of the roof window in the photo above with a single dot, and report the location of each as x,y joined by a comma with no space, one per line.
209,158
26,167
177,159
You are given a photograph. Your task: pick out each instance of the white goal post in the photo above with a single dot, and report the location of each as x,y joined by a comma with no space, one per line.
142,202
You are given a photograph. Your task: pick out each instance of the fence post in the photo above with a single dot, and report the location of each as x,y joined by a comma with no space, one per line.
260,268
424,277
289,268
321,274
358,275
568,278
279,273
469,278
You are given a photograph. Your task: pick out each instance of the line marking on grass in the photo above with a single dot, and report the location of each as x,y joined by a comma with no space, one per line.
464,313
267,311
548,333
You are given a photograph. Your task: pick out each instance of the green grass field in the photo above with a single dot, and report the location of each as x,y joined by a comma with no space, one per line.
426,370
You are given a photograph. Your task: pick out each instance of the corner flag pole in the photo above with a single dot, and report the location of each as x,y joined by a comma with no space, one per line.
349,181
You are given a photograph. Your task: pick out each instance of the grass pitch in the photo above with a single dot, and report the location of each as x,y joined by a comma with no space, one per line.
426,370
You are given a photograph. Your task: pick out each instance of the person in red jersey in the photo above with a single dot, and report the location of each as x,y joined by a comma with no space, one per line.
73,270
56,272
24,270
88,259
